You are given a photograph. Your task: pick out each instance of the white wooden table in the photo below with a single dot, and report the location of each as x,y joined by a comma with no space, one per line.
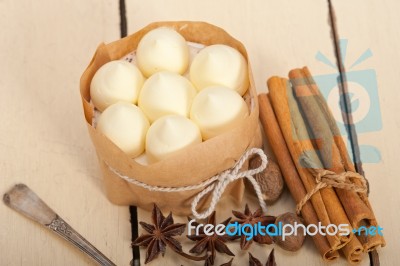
46,45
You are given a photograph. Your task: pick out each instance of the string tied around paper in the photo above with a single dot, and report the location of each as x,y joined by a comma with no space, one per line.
326,178
216,184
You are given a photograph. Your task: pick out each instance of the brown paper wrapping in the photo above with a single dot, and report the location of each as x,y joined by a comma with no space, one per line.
188,167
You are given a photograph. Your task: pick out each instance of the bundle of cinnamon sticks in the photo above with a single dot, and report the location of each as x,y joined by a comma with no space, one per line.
317,169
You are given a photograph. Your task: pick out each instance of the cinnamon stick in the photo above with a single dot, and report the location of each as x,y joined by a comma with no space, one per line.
335,210
316,110
353,251
355,208
325,202
290,174
338,140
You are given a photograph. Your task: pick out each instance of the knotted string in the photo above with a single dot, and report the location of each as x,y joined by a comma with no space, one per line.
325,178
217,184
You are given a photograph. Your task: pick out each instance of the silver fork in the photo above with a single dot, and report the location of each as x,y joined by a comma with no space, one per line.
22,199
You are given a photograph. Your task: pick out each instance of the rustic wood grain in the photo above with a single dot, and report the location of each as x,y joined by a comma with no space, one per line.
43,139
374,26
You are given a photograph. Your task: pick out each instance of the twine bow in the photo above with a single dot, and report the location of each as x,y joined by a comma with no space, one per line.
228,176
325,178
217,184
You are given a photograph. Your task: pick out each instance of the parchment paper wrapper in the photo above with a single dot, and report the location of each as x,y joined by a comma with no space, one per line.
188,167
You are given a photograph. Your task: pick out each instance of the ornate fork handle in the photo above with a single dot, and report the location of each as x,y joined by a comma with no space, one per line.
25,201
62,228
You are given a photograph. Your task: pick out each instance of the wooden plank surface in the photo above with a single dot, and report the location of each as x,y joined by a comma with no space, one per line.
374,26
43,139
44,142
279,36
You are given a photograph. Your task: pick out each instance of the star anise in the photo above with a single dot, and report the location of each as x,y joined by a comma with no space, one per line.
160,235
253,218
210,243
255,262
